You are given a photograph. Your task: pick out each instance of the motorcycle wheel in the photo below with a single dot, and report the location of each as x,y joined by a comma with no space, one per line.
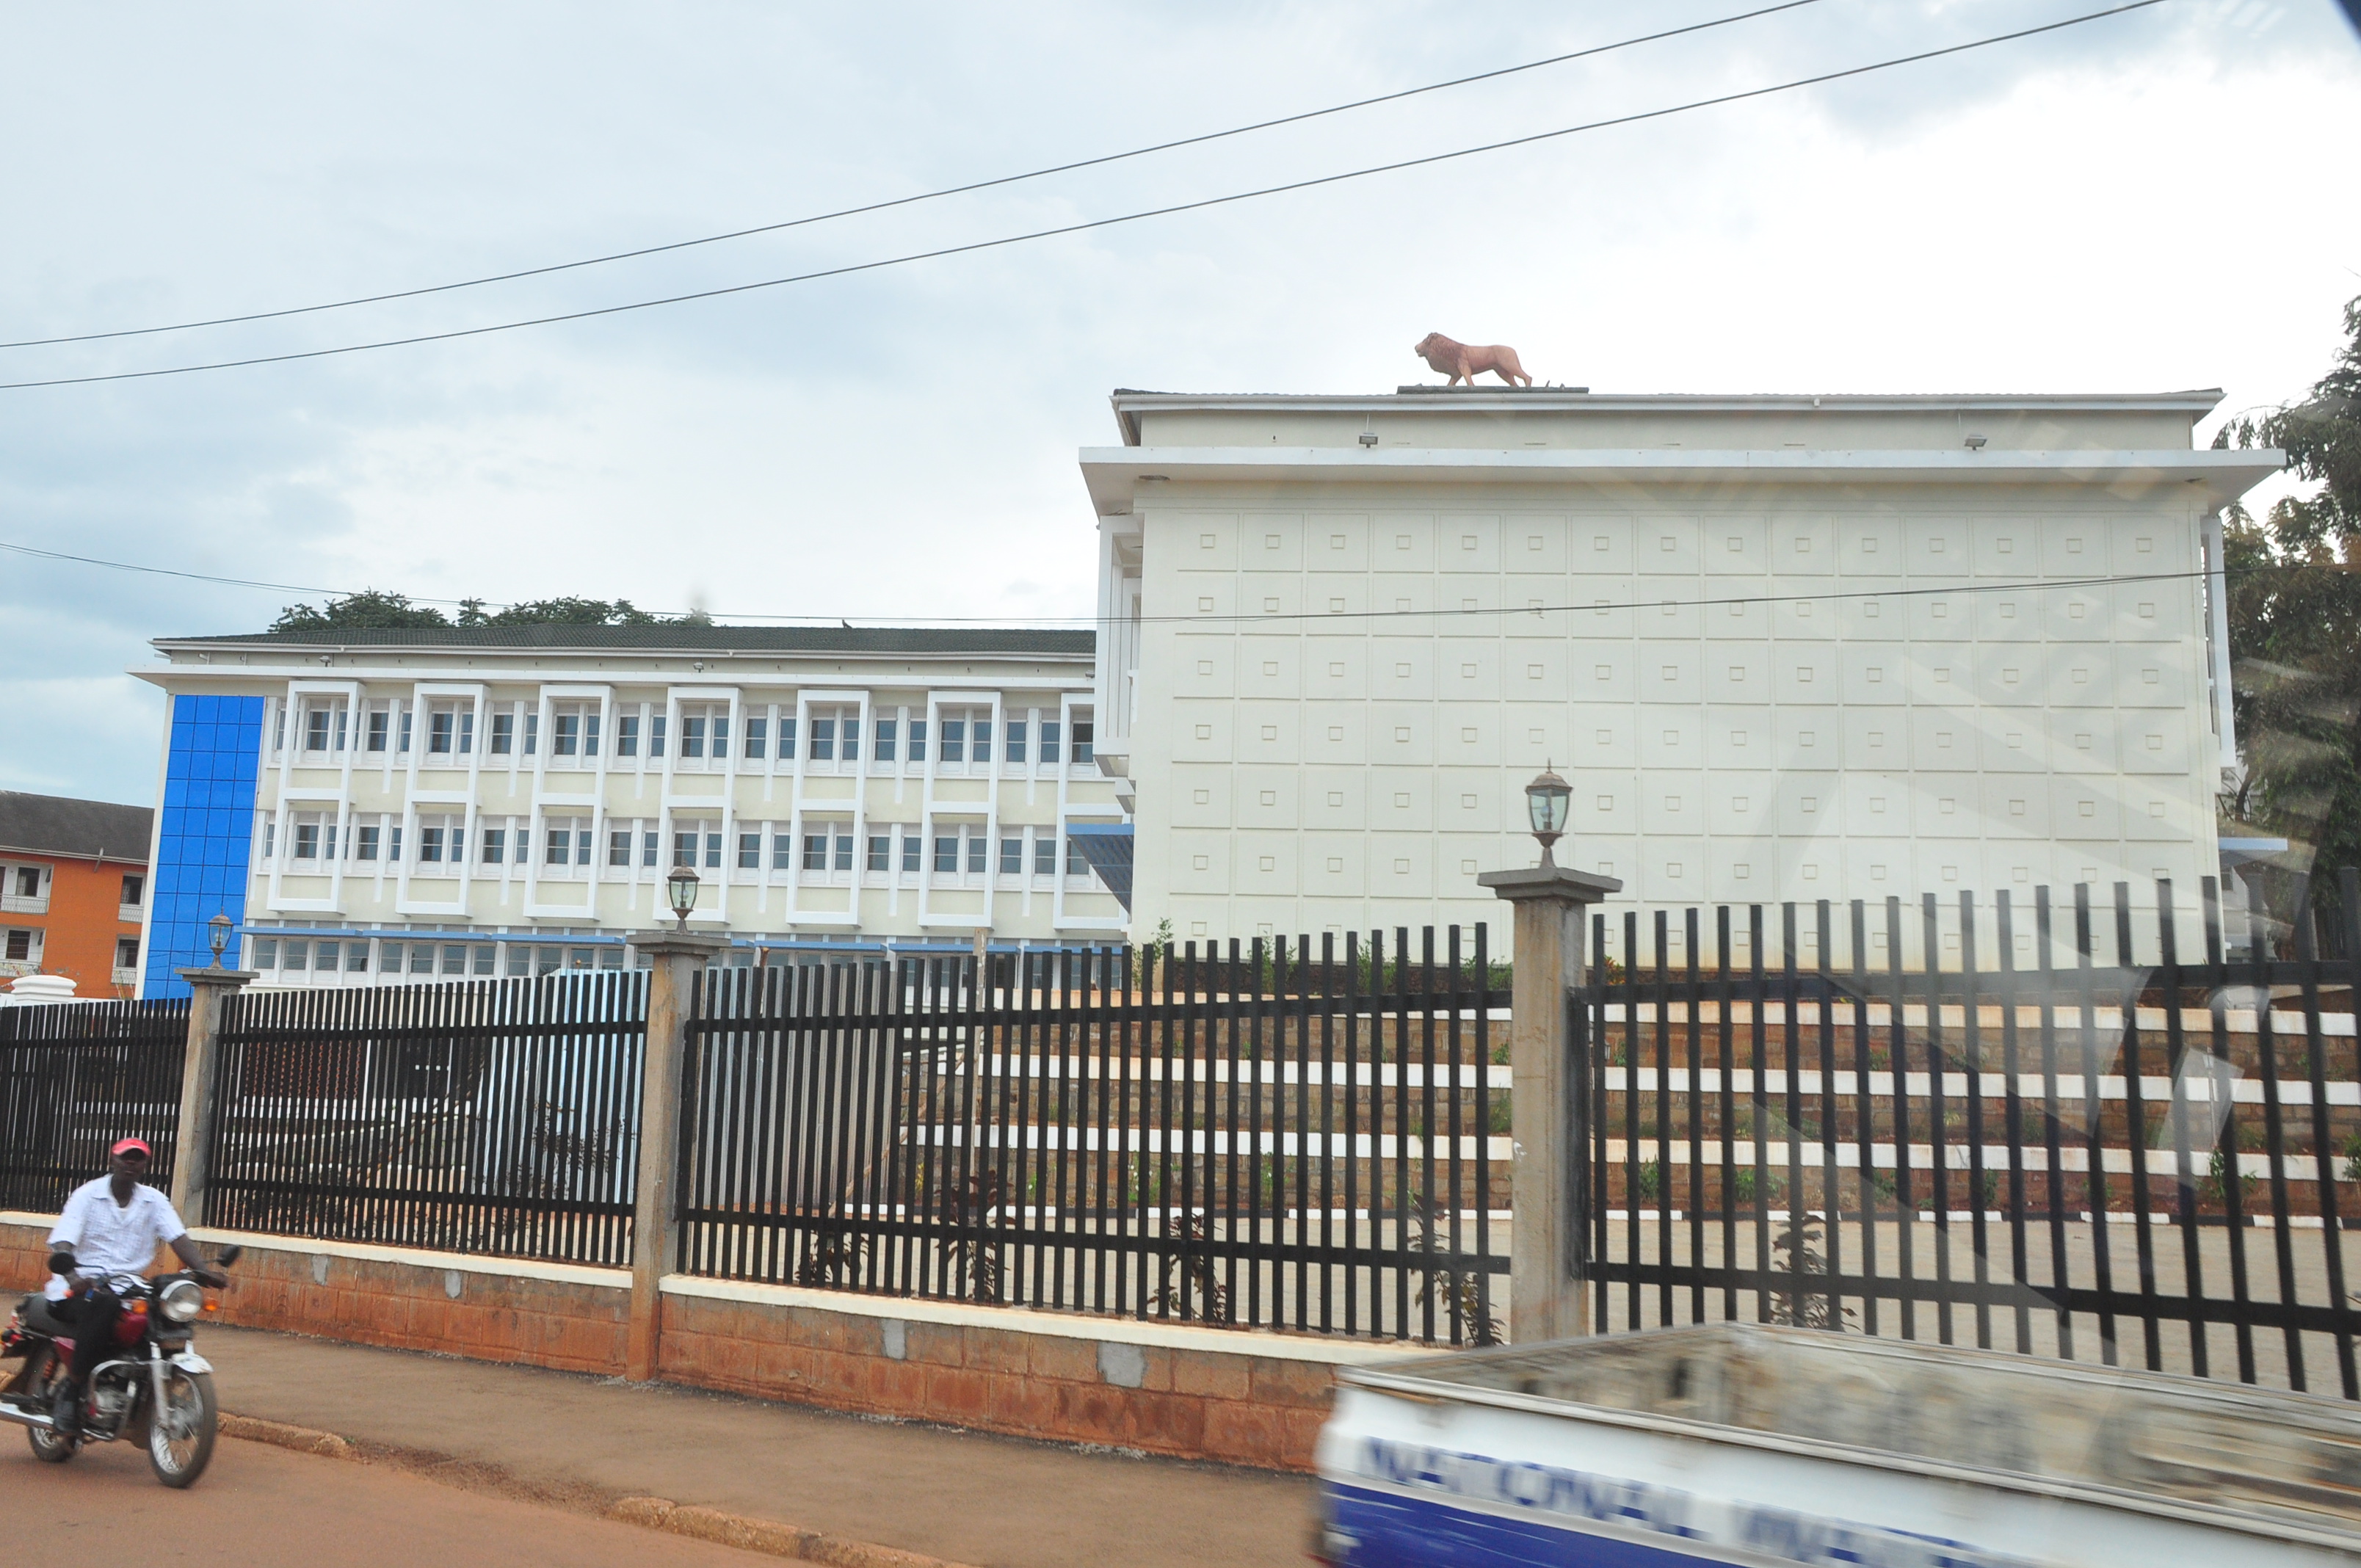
48,1446
180,1432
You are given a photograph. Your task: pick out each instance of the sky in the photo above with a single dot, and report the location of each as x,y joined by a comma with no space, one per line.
2149,201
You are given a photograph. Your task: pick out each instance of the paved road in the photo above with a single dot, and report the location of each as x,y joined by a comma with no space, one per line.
260,1506
964,1496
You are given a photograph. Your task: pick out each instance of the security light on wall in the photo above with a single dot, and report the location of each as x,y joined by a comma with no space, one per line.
1975,443
1546,801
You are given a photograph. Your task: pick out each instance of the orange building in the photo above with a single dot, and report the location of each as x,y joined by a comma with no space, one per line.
73,890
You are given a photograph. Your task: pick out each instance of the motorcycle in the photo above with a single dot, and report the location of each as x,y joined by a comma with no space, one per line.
154,1386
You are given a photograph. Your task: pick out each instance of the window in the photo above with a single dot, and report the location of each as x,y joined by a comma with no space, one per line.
684,849
532,731
1015,728
503,734
496,845
1012,857
649,845
315,729
692,734
844,852
278,725
758,737
954,744
134,888
269,837
20,945
947,854
394,842
815,847
126,952
1044,852
566,840
750,852
28,881
975,854
266,952
296,956
619,847
574,729
912,848
881,851
380,724
1049,752
704,730
917,753
656,735
405,729
823,740
365,840
783,853
1083,729
884,732
307,841
824,851
627,735
430,843
450,730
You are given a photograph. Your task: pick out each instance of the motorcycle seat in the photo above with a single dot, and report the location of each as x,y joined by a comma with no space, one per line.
37,1316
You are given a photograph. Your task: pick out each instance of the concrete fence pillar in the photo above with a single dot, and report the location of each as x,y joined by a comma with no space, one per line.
1547,1298
679,957
192,1153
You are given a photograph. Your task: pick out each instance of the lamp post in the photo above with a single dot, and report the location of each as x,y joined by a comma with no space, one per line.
1546,801
1550,1046
218,929
680,888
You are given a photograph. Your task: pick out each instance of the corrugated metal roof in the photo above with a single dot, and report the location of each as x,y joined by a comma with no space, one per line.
54,825
1009,641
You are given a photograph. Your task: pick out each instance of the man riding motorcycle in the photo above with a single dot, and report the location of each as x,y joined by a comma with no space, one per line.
110,1226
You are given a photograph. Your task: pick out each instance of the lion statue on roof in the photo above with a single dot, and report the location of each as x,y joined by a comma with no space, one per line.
1465,361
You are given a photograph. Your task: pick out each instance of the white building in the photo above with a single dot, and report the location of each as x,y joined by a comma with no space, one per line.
1785,647
510,800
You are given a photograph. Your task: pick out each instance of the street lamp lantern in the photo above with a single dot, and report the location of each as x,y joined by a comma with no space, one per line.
1546,801
219,928
681,887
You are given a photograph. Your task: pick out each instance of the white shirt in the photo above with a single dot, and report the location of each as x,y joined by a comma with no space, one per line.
112,1238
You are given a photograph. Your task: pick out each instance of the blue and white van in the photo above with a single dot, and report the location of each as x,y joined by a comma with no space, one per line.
1745,1444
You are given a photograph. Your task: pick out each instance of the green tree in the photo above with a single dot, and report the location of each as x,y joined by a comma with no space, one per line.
374,610
2294,609
371,610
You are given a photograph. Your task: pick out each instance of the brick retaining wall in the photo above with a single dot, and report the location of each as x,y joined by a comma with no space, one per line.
1177,1389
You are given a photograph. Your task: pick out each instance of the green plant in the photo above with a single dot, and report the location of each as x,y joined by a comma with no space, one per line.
1462,1290
2216,1188
1649,1179
1797,1249
2351,1149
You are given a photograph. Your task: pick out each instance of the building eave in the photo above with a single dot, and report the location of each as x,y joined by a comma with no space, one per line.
2215,478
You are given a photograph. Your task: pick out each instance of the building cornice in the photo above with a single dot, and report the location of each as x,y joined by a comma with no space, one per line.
2213,478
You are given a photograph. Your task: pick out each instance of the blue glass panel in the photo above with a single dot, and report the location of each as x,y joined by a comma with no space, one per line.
202,854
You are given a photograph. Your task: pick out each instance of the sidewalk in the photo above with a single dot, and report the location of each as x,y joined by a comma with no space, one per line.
584,1441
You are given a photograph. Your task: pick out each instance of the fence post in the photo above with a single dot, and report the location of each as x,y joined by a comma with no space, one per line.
192,1153
1546,1295
679,957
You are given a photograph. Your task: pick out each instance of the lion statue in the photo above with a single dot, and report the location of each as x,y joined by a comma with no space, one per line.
1465,362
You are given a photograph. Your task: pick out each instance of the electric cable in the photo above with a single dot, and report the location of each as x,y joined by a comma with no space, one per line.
1056,621
921,196
1089,225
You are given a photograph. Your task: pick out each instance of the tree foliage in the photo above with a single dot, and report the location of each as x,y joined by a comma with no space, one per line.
373,610
2294,609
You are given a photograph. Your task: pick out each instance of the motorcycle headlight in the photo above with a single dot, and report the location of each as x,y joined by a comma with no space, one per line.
181,1301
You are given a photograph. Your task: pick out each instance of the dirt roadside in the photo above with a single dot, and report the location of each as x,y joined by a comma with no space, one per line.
586,1444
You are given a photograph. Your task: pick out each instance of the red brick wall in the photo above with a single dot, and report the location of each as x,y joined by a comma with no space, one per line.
1236,1407
1232,1406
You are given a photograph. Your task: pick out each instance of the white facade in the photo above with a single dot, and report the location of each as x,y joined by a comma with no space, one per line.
469,803
1785,648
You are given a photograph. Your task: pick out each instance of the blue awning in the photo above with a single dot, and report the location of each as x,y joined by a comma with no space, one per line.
1107,846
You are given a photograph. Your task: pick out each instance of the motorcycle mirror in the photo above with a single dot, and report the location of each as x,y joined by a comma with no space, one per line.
229,1256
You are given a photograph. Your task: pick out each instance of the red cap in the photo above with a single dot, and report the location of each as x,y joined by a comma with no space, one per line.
128,1144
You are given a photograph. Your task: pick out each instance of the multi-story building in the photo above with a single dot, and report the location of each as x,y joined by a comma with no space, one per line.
73,890
501,801
1787,648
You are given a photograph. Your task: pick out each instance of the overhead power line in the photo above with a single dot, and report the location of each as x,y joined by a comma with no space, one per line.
971,186
1005,240
1595,607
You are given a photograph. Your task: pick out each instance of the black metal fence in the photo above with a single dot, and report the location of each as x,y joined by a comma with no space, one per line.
501,1117
1257,1136
2130,1153
74,1077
